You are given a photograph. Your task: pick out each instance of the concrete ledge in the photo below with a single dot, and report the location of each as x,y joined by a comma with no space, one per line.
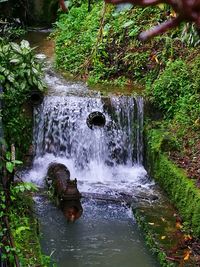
180,189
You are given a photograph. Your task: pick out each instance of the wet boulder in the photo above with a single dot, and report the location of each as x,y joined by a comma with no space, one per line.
72,209
64,190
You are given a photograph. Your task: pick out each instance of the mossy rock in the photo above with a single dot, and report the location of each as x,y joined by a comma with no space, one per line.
180,189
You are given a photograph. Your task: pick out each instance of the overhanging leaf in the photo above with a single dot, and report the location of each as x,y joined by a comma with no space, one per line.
16,47
25,44
10,166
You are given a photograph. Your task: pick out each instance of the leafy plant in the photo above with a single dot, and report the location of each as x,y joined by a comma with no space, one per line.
76,35
173,83
190,35
20,73
23,187
188,110
102,45
10,164
24,226
11,29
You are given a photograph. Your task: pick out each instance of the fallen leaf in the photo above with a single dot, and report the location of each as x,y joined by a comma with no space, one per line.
187,255
179,225
163,219
187,237
154,57
151,223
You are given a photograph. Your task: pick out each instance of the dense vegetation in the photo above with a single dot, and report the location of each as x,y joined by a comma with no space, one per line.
20,73
102,46
19,235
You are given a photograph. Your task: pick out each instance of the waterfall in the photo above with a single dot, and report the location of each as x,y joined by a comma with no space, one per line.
103,159
61,130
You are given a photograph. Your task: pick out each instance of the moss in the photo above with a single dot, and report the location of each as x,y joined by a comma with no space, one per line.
181,190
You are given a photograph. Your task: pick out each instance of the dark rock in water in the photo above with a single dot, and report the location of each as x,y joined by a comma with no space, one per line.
65,190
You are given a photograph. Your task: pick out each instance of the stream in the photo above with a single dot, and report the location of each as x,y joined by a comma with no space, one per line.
106,161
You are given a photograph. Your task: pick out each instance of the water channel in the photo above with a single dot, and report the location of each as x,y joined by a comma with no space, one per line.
106,161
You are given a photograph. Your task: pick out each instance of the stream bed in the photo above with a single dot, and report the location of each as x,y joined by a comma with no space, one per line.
106,235
106,161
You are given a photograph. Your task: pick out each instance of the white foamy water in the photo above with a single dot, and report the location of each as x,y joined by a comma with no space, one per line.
106,160
97,178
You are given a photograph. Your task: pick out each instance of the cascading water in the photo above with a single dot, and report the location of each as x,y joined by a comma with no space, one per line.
107,158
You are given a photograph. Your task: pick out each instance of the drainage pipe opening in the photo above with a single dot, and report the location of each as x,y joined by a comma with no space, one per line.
36,97
96,119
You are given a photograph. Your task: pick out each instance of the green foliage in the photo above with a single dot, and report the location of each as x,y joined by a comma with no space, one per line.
12,33
102,45
194,69
176,93
173,83
23,187
161,140
20,72
74,3
76,36
23,228
11,28
190,35
120,53
10,164
188,110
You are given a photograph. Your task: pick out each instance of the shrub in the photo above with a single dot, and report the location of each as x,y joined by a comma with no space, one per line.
20,72
76,36
172,84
